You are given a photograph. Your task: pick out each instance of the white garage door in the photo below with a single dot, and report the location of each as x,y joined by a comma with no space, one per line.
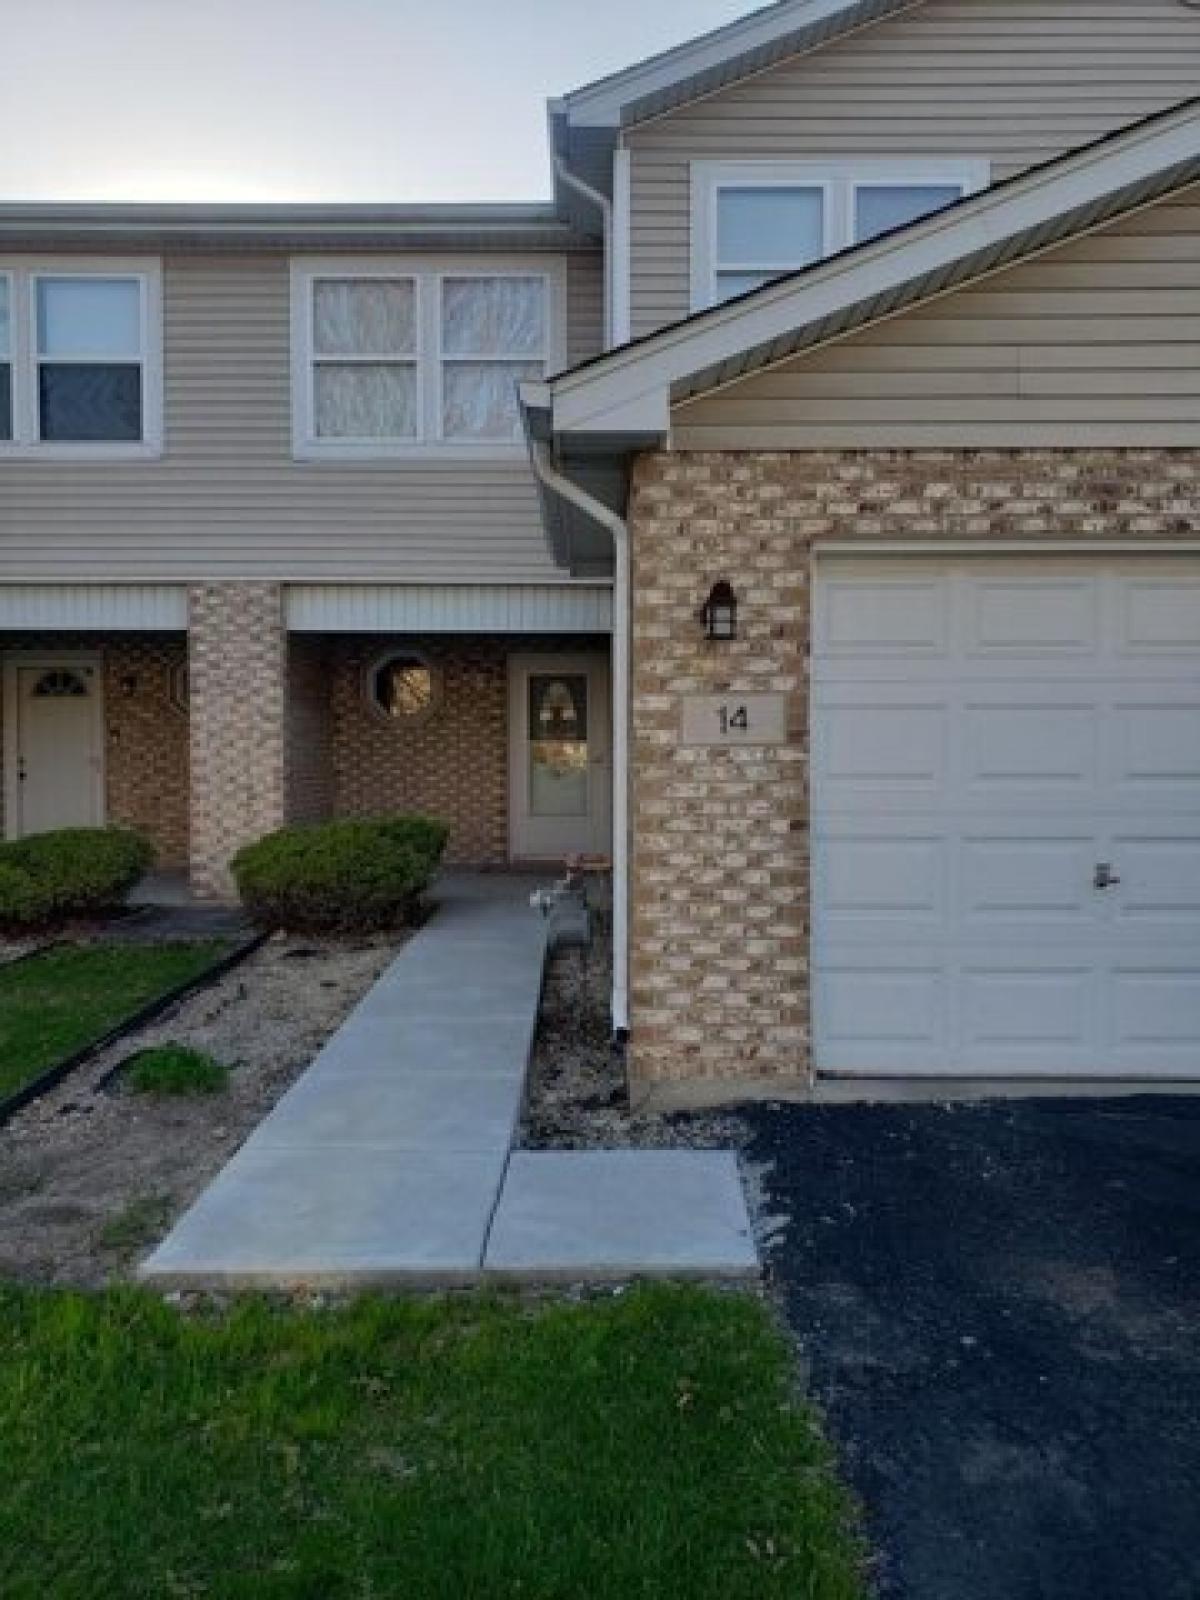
1006,817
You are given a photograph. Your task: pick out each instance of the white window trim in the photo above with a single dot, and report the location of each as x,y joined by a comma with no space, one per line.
22,277
428,273
839,180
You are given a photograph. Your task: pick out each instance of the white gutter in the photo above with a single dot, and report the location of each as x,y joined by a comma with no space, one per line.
574,181
549,475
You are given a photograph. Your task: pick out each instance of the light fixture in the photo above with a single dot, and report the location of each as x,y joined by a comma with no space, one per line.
719,613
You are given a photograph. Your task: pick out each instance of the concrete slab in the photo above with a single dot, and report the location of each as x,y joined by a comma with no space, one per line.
427,1044
279,1218
472,1111
604,1214
445,994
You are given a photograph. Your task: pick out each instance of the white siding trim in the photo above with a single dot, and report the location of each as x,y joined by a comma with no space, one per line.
155,608
449,608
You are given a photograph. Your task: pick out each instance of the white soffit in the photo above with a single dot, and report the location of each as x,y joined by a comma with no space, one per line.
132,607
449,608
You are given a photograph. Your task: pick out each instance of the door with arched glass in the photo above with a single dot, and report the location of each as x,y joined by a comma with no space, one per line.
54,743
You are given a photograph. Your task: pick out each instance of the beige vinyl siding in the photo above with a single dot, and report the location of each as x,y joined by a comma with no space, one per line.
585,307
1096,342
227,499
1015,81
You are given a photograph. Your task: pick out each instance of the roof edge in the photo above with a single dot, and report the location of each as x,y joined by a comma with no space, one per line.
722,56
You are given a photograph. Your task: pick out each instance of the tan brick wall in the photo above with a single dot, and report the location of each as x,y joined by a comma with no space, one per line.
452,764
238,663
147,744
309,731
146,738
720,875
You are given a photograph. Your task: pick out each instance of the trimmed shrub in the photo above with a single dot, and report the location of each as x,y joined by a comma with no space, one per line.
175,1069
74,872
351,876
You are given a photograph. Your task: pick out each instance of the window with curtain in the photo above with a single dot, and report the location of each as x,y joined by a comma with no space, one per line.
493,334
364,372
420,358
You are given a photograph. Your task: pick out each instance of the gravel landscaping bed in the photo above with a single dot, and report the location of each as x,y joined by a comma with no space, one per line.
91,1176
576,1098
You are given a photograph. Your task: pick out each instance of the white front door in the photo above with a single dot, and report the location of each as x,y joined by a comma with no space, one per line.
1006,817
560,776
54,743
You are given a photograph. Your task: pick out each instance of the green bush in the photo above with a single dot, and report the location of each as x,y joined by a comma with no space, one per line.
352,876
74,872
175,1069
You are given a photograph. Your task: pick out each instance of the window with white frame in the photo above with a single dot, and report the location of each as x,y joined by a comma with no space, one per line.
414,356
753,221
79,358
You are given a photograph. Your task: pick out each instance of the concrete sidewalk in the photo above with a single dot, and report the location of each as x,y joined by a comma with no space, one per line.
389,1160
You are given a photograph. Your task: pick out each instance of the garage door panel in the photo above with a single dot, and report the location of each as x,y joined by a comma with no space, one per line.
1032,745
886,616
1159,615
1044,721
876,741
1034,1007
896,1013
1032,616
1160,882
865,877
1155,749
1156,1007
1010,878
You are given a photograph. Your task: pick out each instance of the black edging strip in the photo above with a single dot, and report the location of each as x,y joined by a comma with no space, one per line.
150,1012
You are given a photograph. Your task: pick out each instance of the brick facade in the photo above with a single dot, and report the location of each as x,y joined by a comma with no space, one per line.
720,873
146,735
309,749
238,660
452,764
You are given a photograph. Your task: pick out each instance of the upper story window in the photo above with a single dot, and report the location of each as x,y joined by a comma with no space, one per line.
415,357
757,220
80,359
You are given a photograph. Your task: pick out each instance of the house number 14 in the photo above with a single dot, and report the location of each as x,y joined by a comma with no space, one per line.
748,719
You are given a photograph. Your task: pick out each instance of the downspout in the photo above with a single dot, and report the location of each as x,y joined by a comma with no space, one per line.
594,196
549,475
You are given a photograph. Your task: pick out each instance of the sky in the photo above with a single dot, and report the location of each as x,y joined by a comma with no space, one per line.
293,100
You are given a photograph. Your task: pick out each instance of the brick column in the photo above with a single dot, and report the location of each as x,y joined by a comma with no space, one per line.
719,904
237,661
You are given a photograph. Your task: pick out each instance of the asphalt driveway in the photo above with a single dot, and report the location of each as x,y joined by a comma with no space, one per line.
1001,1309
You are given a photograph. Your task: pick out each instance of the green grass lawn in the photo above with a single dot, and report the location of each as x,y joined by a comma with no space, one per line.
646,1445
53,1004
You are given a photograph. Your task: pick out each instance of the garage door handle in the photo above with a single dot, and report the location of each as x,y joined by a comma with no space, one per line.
1105,877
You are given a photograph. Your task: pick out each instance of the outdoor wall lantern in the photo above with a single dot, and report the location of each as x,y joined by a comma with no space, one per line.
719,613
